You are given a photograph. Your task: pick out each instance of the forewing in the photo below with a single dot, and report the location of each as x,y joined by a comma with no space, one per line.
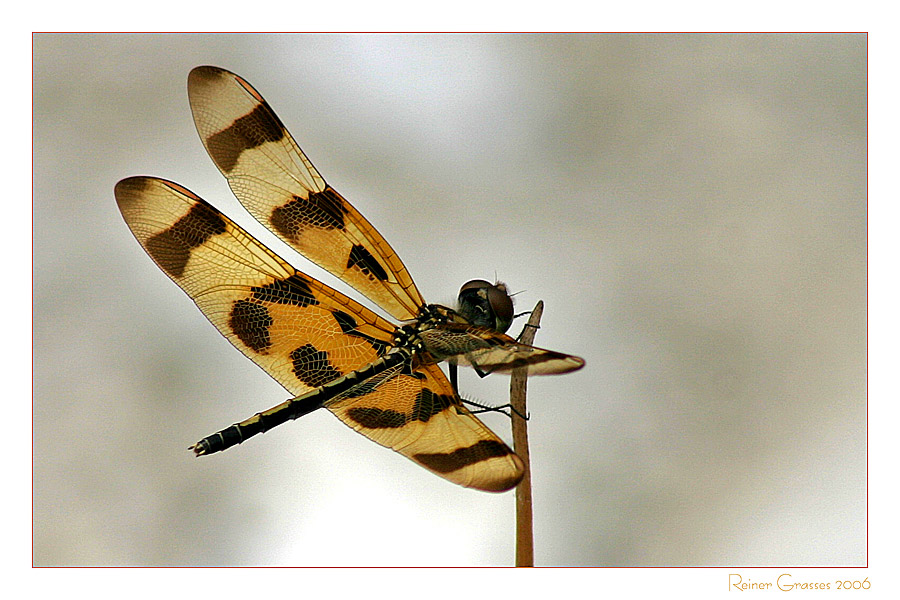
492,352
282,189
303,333
418,415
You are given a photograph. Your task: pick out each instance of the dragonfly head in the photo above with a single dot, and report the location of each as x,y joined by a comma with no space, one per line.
486,304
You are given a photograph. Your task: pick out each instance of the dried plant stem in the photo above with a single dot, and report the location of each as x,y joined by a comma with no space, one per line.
517,389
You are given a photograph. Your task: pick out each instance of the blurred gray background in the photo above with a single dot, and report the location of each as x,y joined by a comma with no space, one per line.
691,209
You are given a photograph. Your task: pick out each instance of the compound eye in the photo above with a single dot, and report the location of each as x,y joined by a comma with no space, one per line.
486,304
475,285
501,305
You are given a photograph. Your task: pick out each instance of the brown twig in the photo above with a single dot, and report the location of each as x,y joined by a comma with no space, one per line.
517,389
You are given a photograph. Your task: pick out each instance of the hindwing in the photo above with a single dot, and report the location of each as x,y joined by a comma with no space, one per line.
418,414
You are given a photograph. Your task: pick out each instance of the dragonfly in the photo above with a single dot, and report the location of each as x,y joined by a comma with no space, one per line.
381,378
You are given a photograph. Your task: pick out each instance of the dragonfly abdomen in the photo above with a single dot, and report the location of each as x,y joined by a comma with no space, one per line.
295,407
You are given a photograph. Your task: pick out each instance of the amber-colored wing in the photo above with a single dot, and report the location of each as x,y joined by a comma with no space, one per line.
302,332
281,188
420,416
487,351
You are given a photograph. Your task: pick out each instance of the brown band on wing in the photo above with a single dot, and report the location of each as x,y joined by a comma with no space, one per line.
292,290
363,260
427,404
377,418
171,248
463,457
250,322
348,325
312,367
322,209
527,361
252,130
